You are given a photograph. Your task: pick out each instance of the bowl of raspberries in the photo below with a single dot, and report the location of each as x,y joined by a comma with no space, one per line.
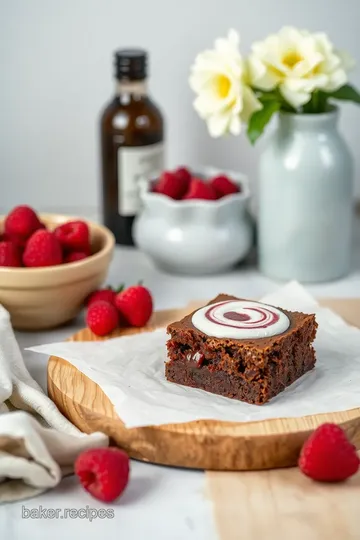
195,223
49,264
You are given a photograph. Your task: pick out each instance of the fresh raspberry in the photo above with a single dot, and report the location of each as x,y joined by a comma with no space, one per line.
223,186
328,456
173,185
135,305
15,239
42,249
102,295
199,189
9,254
74,236
184,175
103,472
74,256
22,222
102,318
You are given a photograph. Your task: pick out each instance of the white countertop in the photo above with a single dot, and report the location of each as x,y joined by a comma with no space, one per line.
160,502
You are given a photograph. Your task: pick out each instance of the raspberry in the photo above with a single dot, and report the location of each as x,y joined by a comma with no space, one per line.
199,189
223,186
106,295
183,174
74,236
42,249
173,185
328,456
103,472
135,305
21,222
15,239
75,256
9,254
102,318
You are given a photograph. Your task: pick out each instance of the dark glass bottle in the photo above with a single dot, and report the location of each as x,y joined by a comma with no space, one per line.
132,143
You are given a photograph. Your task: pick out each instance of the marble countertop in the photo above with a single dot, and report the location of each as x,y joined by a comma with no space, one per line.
160,502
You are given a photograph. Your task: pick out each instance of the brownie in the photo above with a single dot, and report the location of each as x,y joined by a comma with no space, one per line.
252,370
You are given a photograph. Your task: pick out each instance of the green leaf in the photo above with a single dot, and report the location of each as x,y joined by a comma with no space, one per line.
260,119
346,93
267,96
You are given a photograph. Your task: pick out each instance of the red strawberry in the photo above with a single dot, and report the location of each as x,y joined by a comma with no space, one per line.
102,318
74,236
9,254
102,295
135,305
328,456
42,249
199,189
223,186
173,185
75,256
103,472
21,222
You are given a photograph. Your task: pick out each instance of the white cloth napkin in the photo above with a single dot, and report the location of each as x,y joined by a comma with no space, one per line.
37,444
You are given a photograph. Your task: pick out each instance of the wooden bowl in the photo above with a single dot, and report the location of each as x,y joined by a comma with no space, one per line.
42,298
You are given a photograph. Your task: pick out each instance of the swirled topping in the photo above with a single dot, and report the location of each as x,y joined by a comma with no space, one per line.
240,319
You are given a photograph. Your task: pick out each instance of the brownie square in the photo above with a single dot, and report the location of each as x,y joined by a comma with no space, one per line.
252,370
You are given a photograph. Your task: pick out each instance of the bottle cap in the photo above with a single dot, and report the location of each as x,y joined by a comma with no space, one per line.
131,64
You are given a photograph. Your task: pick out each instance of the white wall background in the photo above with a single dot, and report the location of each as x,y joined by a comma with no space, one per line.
56,75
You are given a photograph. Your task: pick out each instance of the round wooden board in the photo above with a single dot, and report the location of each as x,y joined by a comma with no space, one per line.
204,444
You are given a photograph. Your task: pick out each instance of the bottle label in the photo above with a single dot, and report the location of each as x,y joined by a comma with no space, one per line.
136,163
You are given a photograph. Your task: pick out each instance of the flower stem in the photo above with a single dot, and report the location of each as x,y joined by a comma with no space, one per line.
315,102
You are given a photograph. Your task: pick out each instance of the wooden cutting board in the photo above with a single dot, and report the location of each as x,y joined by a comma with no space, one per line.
210,445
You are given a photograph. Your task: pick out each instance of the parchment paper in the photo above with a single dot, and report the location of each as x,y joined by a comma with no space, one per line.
130,371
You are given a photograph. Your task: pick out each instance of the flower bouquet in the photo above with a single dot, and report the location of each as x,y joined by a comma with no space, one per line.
294,70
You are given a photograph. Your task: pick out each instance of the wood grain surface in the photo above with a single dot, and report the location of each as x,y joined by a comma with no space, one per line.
283,504
210,445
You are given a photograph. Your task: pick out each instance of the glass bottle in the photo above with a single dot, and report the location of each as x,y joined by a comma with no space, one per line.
132,143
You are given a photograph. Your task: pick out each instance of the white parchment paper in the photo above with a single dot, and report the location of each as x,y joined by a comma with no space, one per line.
130,370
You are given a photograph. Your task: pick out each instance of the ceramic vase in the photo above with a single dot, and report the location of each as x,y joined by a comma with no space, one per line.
306,200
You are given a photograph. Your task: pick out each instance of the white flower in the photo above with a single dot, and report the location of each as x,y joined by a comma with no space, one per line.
219,78
297,62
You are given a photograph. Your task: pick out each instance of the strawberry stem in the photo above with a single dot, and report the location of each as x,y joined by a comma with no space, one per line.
120,288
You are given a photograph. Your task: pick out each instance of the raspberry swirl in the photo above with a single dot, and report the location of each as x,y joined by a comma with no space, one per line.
240,319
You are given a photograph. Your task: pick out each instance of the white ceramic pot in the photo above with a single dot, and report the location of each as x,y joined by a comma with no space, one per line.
195,237
306,200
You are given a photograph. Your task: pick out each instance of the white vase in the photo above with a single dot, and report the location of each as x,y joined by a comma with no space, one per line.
306,200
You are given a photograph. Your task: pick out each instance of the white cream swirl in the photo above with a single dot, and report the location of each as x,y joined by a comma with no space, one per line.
240,319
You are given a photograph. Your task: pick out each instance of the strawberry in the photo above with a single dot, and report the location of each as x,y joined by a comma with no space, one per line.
102,295
173,185
42,249
135,305
21,222
328,456
74,236
75,256
102,318
199,189
223,186
9,254
103,472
